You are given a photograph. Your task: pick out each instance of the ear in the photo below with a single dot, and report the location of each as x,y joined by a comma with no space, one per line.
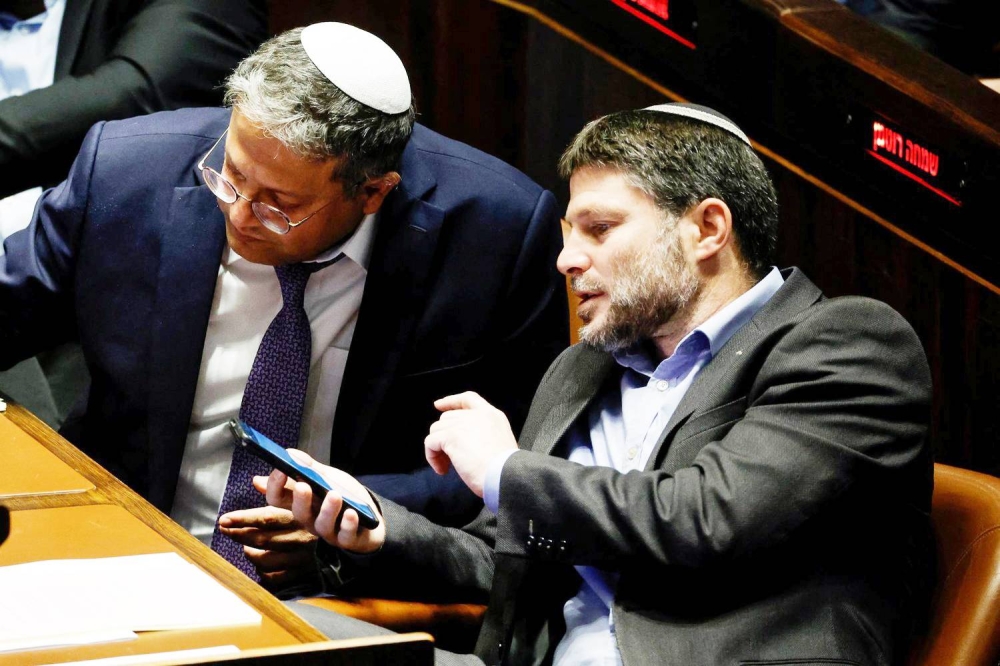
375,190
714,222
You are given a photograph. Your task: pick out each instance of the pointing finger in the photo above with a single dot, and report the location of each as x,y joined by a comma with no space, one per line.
467,400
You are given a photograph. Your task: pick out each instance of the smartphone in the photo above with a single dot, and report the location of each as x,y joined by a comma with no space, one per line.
275,455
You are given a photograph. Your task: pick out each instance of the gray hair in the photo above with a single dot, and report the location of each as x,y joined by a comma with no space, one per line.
680,162
280,91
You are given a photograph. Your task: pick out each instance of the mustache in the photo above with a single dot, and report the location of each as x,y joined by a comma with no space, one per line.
580,283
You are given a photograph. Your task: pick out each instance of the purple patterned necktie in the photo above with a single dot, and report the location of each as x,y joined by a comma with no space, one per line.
272,400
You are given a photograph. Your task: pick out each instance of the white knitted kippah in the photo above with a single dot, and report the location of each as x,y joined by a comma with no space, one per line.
360,64
703,114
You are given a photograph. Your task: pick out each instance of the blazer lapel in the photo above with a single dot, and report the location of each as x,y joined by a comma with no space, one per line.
75,14
191,245
702,393
395,290
710,386
578,388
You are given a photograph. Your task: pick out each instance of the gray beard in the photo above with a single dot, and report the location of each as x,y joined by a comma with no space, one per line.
647,288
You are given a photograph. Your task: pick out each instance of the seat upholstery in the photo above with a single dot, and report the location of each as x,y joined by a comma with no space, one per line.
965,617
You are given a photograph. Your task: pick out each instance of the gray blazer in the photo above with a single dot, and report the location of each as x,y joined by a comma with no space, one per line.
782,517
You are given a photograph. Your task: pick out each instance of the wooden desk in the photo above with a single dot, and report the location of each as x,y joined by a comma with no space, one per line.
64,505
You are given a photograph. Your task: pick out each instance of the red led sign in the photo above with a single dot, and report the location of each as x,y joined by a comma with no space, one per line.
655,13
655,7
904,154
889,141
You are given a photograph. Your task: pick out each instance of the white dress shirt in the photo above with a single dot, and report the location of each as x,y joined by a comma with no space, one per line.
27,62
247,297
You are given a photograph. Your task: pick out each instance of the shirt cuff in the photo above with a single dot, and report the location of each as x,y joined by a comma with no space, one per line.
491,486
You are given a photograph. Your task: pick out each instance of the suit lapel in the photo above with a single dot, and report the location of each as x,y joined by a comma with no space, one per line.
710,381
191,245
710,387
395,291
75,14
577,389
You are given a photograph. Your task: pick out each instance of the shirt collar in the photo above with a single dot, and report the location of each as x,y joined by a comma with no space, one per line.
721,326
713,333
357,247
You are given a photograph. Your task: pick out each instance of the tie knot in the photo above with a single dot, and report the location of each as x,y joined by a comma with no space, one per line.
293,277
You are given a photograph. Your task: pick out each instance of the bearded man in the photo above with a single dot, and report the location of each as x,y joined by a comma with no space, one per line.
730,469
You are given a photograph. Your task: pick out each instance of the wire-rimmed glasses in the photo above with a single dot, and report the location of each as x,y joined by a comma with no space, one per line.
269,216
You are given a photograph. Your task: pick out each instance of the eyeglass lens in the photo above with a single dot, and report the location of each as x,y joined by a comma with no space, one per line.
218,185
271,218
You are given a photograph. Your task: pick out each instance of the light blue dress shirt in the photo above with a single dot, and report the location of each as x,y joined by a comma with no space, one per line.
621,430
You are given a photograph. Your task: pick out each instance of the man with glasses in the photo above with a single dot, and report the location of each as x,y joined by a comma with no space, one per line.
309,261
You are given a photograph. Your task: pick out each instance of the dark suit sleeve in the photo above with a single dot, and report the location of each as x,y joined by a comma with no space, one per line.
836,416
419,560
37,268
169,54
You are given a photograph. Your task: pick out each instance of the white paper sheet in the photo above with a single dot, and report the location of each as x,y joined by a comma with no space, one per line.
45,641
54,599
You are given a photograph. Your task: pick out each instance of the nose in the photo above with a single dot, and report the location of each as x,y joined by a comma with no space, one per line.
572,260
240,213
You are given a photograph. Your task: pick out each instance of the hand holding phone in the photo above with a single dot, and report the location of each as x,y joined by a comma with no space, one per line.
275,455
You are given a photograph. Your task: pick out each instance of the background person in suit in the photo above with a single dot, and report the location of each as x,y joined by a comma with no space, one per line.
67,64
446,281
730,469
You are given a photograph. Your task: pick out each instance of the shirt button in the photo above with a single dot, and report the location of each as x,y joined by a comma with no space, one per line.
632,452
662,385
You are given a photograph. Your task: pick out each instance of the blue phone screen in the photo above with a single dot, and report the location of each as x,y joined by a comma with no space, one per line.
279,451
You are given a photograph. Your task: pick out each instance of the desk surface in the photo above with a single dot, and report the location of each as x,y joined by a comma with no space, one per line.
67,506
39,471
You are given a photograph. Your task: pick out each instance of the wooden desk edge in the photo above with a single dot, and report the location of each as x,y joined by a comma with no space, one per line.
112,491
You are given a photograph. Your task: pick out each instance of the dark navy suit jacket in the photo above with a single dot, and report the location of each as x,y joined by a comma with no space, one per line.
462,294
